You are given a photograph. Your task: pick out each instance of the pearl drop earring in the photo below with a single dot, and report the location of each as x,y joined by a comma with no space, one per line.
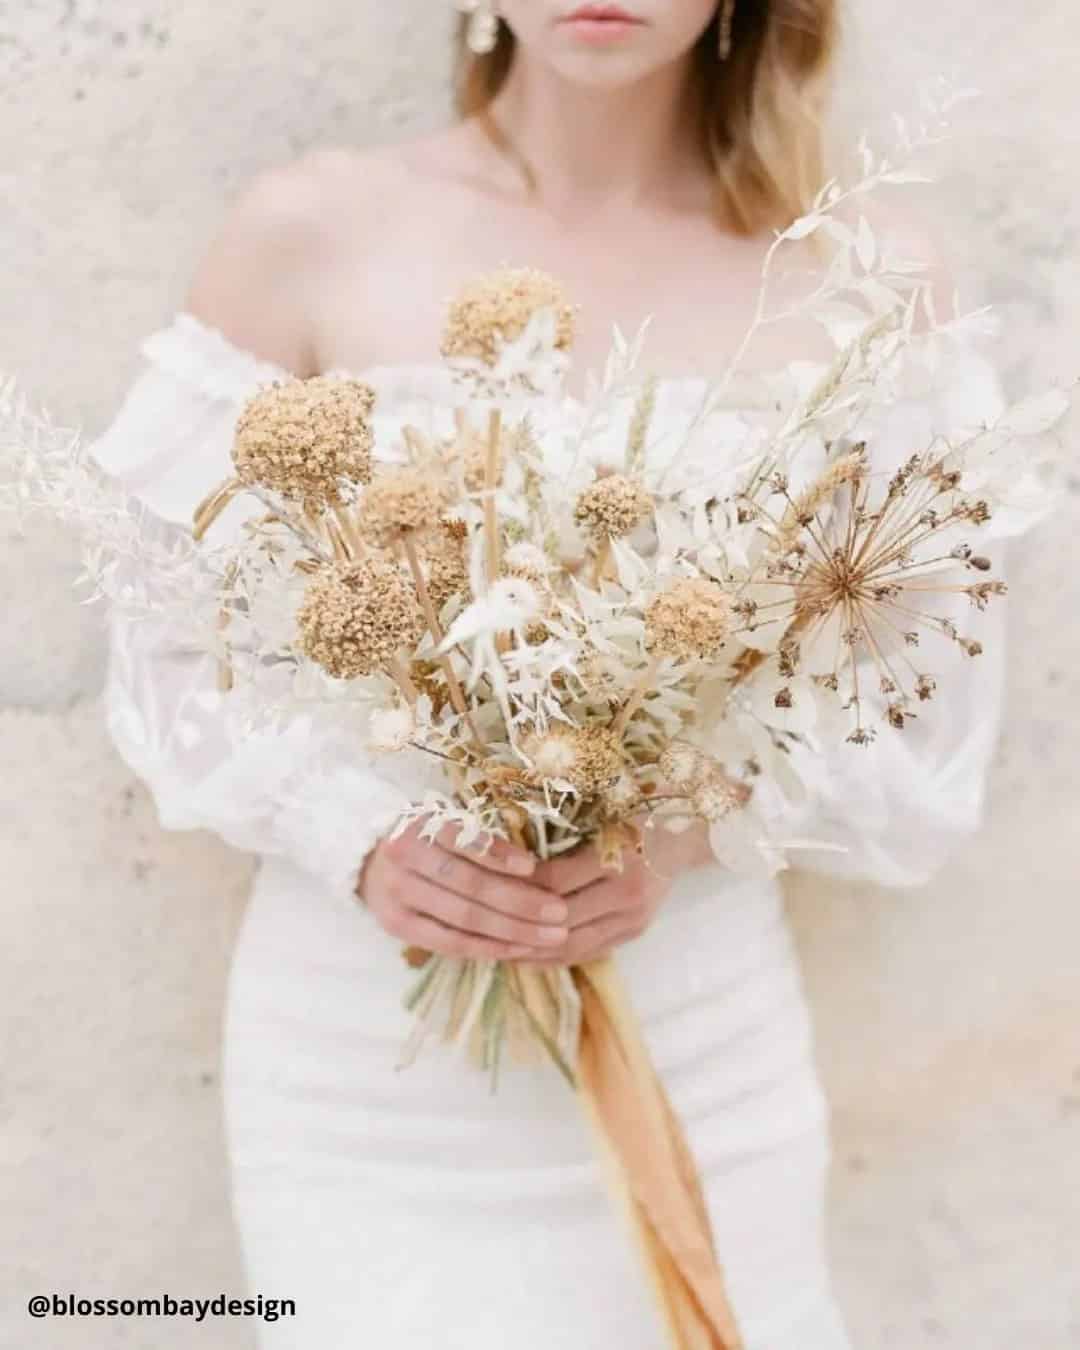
483,31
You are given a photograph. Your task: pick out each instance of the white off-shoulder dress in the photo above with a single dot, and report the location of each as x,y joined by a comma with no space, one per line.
409,1209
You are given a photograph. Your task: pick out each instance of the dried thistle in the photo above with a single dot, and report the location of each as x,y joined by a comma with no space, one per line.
356,618
691,619
496,308
613,506
310,440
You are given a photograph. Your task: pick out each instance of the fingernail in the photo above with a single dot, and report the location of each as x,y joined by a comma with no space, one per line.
558,912
551,937
521,864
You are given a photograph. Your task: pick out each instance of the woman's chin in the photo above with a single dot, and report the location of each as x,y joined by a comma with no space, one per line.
606,67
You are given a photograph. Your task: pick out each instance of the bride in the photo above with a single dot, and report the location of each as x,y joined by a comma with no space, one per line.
642,153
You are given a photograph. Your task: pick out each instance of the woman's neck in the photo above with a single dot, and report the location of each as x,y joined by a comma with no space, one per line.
590,149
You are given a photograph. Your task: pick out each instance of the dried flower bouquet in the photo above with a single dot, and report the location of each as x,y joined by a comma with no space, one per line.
594,630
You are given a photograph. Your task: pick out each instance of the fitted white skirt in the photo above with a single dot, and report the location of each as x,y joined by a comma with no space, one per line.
408,1209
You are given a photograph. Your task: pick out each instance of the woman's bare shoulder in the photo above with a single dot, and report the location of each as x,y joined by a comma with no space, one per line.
280,239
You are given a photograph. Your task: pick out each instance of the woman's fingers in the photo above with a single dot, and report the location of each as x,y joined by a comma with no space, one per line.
590,941
573,872
597,901
506,895
466,915
498,856
419,930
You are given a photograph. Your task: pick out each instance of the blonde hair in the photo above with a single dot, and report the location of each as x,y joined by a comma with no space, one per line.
760,110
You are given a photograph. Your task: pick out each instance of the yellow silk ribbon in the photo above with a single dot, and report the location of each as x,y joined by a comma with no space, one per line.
650,1167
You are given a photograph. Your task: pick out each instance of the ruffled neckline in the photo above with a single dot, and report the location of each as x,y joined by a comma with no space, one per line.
196,351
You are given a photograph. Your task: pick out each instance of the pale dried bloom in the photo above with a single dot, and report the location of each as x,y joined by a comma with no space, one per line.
470,452
310,440
553,755
590,758
692,618
392,729
718,796
801,511
638,434
682,764
496,308
622,798
526,560
402,501
613,506
356,618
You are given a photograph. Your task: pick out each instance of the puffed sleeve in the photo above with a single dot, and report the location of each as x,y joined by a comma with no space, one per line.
895,810
299,789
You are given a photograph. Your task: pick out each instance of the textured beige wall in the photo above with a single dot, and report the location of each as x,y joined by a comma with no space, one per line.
947,1018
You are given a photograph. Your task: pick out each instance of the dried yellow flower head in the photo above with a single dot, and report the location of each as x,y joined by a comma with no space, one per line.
400,501
692,618
497,308
590,758
600,758
469,451
446,566
306,439
356,618
613,506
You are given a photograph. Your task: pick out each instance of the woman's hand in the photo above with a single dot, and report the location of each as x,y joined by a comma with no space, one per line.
609,908
461,902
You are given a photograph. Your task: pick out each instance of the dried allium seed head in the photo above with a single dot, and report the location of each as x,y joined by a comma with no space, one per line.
306,438
400,501
355,619
692,618
613,506
497,308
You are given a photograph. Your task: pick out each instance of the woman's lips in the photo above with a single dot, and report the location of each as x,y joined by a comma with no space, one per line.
601,23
